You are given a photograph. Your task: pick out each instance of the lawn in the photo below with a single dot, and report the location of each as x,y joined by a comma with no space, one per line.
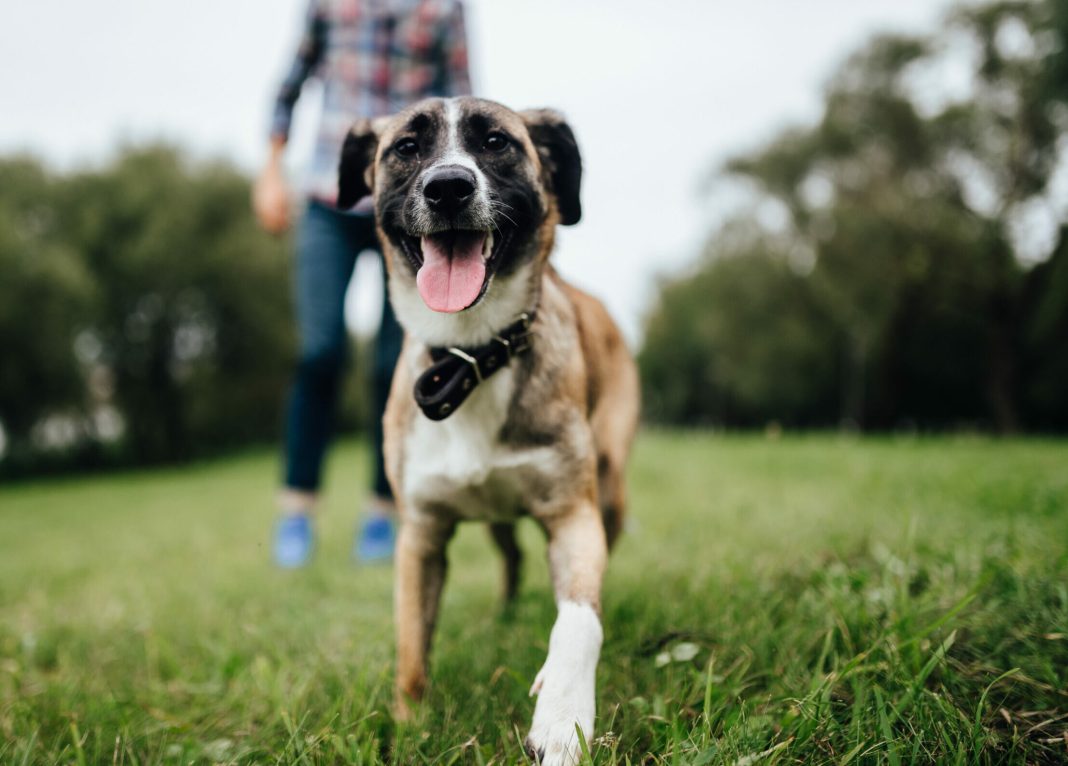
814,599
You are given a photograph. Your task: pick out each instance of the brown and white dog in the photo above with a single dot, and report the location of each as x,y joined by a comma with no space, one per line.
512,419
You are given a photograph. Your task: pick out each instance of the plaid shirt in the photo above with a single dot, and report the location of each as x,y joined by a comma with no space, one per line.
374,57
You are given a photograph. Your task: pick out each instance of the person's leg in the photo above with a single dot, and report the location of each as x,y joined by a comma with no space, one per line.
376,535
323,268
387,350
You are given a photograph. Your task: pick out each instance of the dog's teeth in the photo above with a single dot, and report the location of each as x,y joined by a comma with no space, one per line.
487,245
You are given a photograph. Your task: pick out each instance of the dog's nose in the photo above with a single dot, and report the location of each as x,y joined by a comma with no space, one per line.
449,189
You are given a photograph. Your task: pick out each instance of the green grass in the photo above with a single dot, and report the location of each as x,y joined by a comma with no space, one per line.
850,601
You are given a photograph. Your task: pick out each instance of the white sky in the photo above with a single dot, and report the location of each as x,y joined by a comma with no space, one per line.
659,93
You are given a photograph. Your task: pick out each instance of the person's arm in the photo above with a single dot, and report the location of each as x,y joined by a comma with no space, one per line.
270,195
309,54
454,54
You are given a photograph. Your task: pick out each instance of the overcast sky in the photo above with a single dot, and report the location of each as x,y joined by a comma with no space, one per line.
658,94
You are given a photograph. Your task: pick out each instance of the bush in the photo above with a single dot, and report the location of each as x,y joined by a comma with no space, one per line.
897,292
146,311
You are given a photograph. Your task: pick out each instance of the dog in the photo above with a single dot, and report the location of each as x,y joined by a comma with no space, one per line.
514,394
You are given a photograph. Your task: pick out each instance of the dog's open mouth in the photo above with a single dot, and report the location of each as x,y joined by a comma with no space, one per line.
452,266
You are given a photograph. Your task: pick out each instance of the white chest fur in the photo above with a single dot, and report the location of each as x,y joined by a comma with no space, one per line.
461,463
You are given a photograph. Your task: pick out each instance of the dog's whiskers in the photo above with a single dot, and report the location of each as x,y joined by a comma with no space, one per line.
498,207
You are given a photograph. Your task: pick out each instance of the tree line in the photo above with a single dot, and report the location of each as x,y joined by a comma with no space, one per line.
143,315
903,262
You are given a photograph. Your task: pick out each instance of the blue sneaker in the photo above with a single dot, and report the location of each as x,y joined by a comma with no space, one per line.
294,540
374,540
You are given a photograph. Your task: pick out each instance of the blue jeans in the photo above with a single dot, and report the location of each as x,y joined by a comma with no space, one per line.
327,245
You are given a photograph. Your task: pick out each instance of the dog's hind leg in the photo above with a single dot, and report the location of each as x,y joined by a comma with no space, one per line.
503,535
611,495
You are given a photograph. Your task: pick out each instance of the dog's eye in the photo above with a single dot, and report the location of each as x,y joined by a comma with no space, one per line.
495,142
406,147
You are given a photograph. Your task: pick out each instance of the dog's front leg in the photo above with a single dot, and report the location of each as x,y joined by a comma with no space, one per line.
566,683
420,574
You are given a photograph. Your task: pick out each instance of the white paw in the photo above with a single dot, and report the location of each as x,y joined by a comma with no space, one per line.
564,702
556,743
565,688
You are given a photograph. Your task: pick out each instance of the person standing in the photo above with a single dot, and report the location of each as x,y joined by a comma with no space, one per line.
373,57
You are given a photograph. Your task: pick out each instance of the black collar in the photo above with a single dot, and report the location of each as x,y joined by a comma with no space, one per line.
445,385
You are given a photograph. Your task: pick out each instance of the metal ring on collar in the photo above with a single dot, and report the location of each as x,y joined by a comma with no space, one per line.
461,354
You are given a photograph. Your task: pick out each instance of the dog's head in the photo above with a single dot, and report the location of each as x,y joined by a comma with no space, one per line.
467,197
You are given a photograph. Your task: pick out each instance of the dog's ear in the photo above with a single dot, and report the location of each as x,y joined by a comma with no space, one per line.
356,169
560,158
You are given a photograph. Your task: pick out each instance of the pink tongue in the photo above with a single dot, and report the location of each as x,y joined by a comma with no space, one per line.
452,273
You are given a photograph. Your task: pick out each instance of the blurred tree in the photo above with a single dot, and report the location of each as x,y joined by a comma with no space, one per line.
918,200
45,298
746,305
1045,340
142,312
1045,301
193,322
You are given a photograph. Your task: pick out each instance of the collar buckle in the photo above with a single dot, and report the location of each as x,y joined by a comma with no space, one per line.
459,353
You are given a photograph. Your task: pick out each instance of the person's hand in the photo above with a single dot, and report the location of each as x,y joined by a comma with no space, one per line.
270,198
